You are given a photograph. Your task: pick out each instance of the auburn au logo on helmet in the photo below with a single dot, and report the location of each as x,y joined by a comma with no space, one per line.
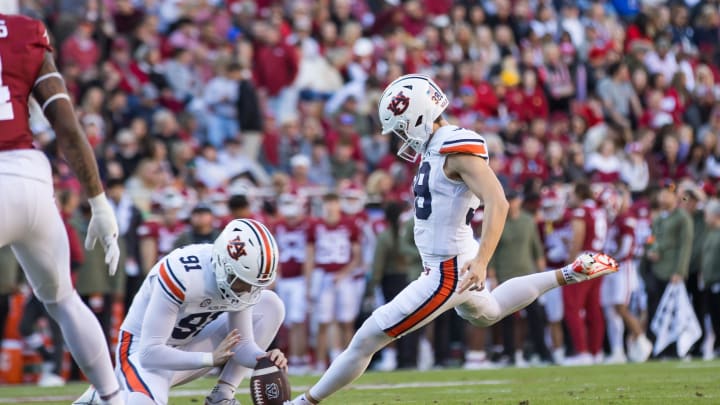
399,104
236,248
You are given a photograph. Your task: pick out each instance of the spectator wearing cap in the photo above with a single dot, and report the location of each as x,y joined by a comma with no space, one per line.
299,173
158,232
671,248
692,200
201,228
220,96
519,252
275,69
710,267
634,168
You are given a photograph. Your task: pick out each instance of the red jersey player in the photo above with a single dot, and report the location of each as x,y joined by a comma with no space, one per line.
333,252
589,231
555,233
618,287
157,235
30,221
291,233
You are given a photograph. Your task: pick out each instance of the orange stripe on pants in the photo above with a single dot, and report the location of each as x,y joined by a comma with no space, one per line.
446,287
134,382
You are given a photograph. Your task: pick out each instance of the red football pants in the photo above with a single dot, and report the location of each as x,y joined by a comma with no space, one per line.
583,315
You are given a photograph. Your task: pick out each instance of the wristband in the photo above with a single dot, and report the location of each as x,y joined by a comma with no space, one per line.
207,360
99,202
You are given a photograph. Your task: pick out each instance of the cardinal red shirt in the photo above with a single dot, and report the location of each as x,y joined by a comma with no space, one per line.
621,237
595,225
23,43
333,243
164,234
292,241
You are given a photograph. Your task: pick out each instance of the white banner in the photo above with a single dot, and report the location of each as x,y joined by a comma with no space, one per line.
675,321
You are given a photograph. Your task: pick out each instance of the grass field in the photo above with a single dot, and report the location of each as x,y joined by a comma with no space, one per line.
654,383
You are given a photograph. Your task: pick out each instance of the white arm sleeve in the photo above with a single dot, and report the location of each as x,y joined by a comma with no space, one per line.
247,351
158,324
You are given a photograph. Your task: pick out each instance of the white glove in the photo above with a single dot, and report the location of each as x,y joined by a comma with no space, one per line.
103,227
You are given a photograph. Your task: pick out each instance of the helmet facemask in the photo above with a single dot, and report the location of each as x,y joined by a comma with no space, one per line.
225,277
408,108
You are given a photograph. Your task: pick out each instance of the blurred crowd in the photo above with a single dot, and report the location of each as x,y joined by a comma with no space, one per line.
204,110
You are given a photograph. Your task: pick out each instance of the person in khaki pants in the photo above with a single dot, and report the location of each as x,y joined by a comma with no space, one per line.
671,248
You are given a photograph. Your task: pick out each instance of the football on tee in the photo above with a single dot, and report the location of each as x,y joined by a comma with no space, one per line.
269,385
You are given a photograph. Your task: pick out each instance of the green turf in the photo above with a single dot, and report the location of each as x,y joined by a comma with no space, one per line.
652,383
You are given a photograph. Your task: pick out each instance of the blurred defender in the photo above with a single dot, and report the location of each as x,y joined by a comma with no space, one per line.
29,220
452,178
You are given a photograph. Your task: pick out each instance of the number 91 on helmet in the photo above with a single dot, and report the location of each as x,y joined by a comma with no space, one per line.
245,260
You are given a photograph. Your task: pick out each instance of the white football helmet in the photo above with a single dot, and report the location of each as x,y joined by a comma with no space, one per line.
408,107
245,250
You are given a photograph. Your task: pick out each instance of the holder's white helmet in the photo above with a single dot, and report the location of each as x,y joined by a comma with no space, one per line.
245,250
408,107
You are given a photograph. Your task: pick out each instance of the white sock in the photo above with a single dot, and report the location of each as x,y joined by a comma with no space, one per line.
86,341
519,292
475,356
615,329
351,363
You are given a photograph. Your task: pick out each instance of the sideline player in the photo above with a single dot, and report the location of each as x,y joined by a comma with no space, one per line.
291,233
202,306
453,175
617,288
332,254
29,219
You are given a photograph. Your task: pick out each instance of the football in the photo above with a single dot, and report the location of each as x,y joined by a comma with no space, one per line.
269,385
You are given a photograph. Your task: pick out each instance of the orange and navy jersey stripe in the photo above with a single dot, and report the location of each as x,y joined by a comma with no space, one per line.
132,378
473,146
170,284
446,287
268,259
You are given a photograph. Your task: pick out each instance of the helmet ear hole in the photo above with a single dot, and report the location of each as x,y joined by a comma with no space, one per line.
419,121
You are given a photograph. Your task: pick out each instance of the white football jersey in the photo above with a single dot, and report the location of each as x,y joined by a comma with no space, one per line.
445,207
185,276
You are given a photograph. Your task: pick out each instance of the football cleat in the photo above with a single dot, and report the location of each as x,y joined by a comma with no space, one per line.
588,266
232,401
89,397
